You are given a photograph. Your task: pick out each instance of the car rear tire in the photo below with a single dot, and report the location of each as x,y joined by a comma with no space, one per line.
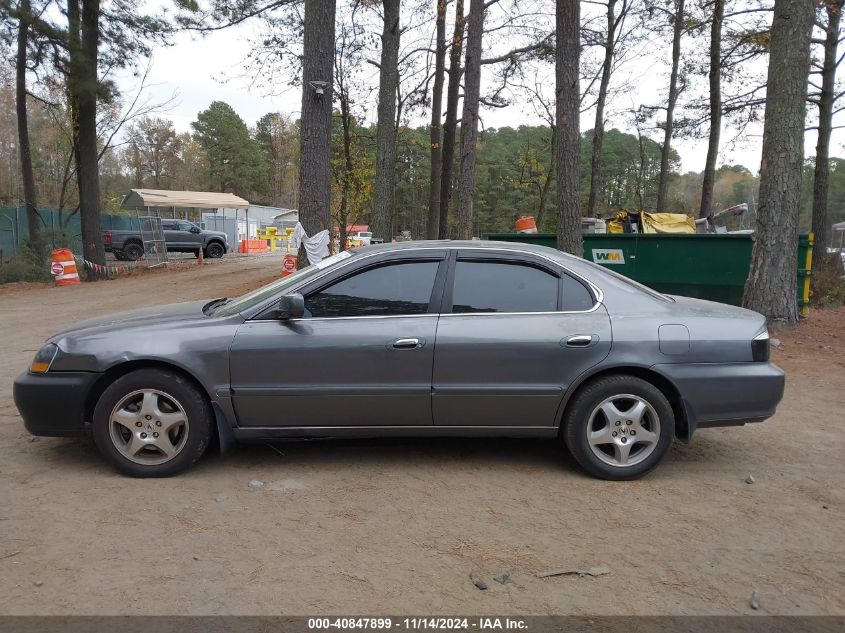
133,251
618,427
152,423
215,250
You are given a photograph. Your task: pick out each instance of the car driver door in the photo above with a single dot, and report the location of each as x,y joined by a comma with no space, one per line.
361,356
190,234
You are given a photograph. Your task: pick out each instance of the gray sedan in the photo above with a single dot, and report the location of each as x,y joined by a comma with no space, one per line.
414,339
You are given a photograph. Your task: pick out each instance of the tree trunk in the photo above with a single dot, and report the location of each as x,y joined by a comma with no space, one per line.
550,176
822,168
346,122
384,193
469,117
84,39
771,285
27,176
433,224
597,159
316,122
663,180
709,181
450,127
567,106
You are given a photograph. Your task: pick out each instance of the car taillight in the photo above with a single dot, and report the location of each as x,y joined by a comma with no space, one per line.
760,347
107,237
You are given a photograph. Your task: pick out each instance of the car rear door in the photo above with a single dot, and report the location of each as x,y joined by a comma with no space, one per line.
516,330
361,356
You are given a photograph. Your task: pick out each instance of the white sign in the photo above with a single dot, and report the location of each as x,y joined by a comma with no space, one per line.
608,256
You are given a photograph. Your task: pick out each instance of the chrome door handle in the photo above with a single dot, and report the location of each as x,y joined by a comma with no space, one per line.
579,340
407,343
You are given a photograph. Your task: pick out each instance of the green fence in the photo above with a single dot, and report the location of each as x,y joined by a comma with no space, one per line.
707,266
14,231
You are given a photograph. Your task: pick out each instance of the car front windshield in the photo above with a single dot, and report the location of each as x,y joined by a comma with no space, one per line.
258,296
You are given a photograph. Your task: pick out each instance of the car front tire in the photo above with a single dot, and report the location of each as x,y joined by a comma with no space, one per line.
152,423
619,427
215,250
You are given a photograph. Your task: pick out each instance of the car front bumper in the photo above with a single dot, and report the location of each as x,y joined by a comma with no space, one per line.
53,404
726,394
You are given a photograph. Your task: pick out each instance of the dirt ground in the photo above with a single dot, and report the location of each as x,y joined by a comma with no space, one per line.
397,527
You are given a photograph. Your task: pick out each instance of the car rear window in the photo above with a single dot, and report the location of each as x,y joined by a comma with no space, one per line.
629,282
576,297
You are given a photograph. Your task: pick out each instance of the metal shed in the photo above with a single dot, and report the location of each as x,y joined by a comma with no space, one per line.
163,199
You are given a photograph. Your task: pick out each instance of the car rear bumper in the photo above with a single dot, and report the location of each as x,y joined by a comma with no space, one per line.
726,394
53,404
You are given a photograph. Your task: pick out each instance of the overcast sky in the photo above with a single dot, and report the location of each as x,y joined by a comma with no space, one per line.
199,70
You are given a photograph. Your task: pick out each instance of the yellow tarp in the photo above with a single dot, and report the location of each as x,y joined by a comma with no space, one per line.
616,225
667,223
655,223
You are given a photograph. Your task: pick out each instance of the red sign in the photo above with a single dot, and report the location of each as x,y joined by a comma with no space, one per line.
289,263
57,269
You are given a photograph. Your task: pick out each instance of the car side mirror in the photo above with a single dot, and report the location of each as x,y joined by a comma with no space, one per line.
291,306
194,229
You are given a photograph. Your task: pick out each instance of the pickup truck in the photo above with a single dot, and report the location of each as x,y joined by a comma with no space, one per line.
180,236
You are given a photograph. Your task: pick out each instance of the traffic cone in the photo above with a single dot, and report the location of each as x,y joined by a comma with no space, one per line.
201,258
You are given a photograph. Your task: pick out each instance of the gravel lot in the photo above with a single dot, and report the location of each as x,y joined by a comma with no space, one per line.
399,526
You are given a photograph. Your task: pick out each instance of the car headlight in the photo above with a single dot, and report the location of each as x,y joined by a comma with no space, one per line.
44,358
760,347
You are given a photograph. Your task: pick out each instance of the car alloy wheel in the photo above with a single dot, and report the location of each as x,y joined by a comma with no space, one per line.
214,250
126,419
618,427
148,427
623,430
133,252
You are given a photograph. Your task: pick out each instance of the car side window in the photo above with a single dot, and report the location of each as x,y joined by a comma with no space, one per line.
490,286
185,226
388,290
168,226
576,297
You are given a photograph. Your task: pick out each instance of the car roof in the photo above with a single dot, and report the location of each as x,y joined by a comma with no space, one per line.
570,261
602,279
459,244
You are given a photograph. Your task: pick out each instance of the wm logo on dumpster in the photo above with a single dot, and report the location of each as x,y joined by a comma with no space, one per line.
608,256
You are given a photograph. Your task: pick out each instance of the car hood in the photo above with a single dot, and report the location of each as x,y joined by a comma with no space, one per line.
144,316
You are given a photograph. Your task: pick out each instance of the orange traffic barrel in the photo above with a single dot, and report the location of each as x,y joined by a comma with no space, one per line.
289,264
526,224
64,267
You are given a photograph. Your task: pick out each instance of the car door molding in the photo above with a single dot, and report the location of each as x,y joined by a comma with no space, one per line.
346,318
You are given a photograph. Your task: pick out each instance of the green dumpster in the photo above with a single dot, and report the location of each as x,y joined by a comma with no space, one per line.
707,266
